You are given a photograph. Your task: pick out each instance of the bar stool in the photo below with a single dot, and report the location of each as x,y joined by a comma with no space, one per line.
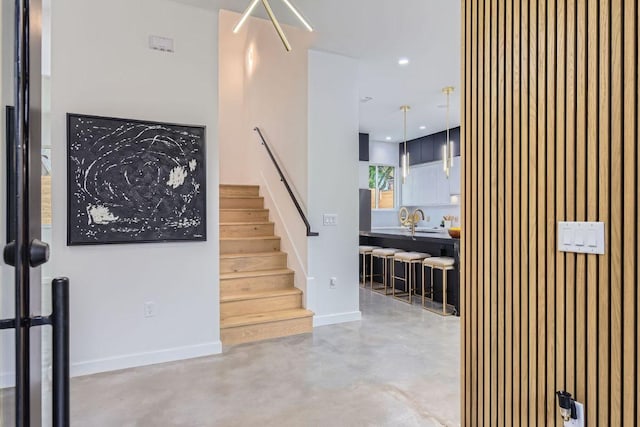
445,265
410,260
385,254
364,251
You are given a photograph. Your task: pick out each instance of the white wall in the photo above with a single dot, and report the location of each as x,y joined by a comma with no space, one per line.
263,85
101,65
333,186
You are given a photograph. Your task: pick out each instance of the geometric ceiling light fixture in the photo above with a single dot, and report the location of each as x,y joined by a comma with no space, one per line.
274,20
448,146
405,157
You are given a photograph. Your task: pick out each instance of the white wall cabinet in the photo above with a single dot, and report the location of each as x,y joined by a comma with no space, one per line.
427,184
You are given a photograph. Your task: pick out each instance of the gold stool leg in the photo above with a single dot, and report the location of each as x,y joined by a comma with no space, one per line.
363,267
393,278
444,292
422,285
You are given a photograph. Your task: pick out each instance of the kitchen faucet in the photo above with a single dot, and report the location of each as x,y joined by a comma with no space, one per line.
410,220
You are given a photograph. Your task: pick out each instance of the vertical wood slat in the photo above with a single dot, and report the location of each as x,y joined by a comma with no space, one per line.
492,209
549,391
486,199
604,114
541,214
473,218
508,251
581,196
615,213
499,198
465,337
524,212
630,282
517,343
551,95
591,400
570,196
560,283
533,196
482,68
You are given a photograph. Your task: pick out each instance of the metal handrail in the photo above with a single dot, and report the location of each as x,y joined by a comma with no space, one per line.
286,184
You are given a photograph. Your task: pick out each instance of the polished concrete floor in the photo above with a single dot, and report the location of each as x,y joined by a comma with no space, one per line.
399,366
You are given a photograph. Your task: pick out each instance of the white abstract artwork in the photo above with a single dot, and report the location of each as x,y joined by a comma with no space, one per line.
132,181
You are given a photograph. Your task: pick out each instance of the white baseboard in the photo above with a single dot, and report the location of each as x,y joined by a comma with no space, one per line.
7,380
145,359
332,319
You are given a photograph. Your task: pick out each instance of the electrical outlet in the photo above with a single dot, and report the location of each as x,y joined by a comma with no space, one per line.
578,422
149,309
333,282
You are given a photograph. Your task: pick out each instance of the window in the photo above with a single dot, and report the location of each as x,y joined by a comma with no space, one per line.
382,186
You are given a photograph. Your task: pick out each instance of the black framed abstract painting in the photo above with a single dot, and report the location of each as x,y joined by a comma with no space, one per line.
134,181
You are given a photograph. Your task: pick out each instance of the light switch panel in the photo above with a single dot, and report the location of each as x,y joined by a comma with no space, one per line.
330,220
581,237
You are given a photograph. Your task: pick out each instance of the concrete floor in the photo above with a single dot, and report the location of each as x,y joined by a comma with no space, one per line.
398,367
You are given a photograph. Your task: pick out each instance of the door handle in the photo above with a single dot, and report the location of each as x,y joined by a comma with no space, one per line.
38,253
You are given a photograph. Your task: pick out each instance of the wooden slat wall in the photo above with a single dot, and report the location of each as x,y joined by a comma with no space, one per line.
550,133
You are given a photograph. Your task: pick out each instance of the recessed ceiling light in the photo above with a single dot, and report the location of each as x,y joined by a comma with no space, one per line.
366,99
403,61
388,138
423,127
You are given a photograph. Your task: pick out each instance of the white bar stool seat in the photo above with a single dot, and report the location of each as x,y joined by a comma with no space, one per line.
444,264
385,254
410,260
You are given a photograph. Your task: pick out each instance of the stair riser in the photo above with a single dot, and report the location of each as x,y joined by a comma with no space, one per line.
264,331
249,203
253,230
244,216
260,305
246,247
254,284
253,263
239,190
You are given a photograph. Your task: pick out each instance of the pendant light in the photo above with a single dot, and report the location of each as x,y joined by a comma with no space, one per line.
448,146
405,157
274,20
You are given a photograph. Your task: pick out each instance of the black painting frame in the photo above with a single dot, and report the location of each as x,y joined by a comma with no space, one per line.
203,128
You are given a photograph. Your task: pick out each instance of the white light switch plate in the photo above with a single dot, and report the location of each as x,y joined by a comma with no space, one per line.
329,220
581,237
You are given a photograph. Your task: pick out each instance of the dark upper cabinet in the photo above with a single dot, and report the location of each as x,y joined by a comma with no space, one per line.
415,153
430,148
426,149
364,147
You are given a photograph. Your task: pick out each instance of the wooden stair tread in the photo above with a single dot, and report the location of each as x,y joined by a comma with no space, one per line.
240,197
240,185
246,223
248,239
252,254
243,210
260,294
258,318
258,273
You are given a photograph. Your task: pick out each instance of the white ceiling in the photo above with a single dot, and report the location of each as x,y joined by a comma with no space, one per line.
378,33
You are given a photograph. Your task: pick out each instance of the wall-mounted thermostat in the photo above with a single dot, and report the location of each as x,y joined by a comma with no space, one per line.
581,237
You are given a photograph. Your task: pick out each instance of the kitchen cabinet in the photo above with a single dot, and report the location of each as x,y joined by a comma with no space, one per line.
427,184
455,177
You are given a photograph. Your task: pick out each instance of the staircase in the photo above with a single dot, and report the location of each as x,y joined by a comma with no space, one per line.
257,297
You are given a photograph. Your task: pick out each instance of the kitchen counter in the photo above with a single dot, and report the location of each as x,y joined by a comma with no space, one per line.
436,244
420,235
